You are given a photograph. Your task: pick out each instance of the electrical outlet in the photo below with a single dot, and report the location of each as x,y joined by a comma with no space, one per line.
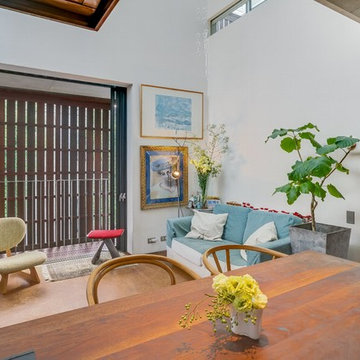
350,217
163,238
151,240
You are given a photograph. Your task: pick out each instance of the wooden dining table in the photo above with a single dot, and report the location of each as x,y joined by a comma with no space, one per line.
313,312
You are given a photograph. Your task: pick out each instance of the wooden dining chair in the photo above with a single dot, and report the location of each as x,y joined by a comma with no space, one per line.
163,262
213,252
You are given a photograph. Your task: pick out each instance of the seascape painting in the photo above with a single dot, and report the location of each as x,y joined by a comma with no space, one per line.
172,112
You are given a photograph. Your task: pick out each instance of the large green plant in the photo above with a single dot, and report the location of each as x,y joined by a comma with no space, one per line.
308,175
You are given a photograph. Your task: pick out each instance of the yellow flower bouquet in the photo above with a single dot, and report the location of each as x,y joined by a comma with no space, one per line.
237,297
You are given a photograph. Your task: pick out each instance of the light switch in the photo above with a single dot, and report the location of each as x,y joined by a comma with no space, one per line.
350,217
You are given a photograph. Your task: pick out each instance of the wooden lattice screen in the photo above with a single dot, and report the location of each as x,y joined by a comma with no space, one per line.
54,165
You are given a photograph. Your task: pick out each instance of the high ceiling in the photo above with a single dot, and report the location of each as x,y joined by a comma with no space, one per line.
350,8
90,14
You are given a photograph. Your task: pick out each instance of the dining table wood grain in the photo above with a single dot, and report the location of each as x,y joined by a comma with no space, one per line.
313,312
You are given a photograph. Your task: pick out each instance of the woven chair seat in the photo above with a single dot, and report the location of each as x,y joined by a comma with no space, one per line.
21,261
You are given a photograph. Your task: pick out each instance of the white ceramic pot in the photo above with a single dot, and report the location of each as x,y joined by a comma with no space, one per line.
240,327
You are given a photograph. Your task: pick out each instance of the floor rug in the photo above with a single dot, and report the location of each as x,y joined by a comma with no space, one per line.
72,268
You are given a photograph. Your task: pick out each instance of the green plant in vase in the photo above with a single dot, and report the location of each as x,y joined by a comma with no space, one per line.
309,174
206,157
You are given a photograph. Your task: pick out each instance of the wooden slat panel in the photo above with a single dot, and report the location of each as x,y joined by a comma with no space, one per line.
105,166
73,170
2,158
89,170
58,188
21,159
65,176
10,158
50,215
47,149
30,178
40,158
97,168
62,99
82,183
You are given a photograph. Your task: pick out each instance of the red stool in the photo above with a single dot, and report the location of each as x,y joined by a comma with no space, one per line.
106,236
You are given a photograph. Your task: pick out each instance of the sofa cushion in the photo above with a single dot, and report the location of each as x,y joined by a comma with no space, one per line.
207,226
262,235
236,221
258,218
193,249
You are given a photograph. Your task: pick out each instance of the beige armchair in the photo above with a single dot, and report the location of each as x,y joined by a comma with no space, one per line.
12,232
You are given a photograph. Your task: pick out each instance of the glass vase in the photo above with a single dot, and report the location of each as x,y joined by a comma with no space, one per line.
203,181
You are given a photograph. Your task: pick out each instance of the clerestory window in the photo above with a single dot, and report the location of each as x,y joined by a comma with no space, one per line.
232,13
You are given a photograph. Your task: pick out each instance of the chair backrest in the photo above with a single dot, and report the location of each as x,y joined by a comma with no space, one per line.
156,260
212,252
12,231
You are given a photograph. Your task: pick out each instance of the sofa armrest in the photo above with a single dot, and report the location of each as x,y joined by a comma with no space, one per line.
282,245
177,227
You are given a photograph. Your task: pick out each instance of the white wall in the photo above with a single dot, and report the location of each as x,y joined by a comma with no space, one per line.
156,42
286,63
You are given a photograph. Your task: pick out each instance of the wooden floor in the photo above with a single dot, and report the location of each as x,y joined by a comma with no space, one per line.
24,302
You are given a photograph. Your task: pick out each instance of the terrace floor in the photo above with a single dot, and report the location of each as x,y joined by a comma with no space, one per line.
23,302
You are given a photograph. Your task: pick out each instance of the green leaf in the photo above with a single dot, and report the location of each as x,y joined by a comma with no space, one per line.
332,161
311,137
307,187
319,191
300,171
341,168
307,126
284,188
331,141
292,195
289,144
319,166
276,133
334,191
345,141
326,149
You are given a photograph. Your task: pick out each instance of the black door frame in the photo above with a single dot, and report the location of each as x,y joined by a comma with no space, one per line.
118,162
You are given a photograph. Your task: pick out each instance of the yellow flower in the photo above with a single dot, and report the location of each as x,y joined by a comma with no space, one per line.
219,282
259,301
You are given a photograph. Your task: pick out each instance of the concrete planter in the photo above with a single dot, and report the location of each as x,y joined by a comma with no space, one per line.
328,239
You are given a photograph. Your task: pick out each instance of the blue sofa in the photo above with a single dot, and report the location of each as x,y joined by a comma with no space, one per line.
240,224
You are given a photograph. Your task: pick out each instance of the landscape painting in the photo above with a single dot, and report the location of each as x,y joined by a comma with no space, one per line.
171,113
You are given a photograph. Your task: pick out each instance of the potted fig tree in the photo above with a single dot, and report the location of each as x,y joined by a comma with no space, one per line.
310,175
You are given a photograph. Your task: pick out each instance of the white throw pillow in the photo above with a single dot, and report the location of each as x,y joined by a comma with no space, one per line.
262,235
207,226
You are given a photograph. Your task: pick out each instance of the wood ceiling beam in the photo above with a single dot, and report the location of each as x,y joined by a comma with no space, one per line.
69,12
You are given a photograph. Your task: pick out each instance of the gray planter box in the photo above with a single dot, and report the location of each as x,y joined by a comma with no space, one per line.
328,239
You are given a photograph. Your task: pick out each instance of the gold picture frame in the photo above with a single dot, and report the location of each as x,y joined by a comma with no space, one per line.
171,113
164,176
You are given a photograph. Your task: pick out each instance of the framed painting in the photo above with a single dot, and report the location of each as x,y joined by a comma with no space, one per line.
164,176
171,113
